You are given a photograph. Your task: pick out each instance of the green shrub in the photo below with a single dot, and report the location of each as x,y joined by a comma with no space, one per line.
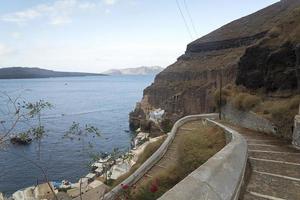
166,125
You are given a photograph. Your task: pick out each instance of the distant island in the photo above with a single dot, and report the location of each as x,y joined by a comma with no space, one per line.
26,73
135,71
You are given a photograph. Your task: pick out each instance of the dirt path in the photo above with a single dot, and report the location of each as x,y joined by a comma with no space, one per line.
274,168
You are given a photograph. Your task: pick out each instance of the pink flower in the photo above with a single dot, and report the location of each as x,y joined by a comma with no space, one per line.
154,187
124,187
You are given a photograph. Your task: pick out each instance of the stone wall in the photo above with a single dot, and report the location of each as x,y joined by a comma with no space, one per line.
248,120
220,178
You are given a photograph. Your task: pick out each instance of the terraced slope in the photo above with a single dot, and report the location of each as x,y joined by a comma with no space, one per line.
274,168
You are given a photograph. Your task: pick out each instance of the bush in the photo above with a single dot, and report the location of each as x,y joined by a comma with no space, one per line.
237,101
163,180
245,101
282,113
166,125
294,102
250,101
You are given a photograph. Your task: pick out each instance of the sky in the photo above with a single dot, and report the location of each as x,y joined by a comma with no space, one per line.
97,35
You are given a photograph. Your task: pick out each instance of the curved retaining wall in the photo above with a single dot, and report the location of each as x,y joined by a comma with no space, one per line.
150,162
248,120
220,178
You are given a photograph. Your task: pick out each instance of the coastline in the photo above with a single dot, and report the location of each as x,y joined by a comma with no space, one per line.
94,180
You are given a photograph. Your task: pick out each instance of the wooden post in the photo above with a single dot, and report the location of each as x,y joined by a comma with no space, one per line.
297,51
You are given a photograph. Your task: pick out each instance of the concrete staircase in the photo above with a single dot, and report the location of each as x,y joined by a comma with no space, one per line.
274,168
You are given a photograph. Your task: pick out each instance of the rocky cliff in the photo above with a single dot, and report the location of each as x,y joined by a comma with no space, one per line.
257,51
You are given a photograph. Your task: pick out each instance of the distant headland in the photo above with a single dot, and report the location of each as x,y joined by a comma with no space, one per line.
135,71
27,73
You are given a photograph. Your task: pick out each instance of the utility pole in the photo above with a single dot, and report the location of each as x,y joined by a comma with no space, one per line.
220,100
297,50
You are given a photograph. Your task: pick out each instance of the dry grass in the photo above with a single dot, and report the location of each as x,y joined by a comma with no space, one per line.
238,96
281,112
197,147
194,149
245,101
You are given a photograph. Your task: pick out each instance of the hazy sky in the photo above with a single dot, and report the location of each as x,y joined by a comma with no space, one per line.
96,35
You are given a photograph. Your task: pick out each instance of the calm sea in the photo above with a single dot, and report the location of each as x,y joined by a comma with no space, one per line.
104,102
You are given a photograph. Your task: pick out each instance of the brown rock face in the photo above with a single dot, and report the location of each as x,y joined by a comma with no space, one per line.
255,51
272,69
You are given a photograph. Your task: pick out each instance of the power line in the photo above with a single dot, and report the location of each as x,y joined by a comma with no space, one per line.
184,20
190,17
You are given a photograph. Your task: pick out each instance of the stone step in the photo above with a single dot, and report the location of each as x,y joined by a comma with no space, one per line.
278,156
171,154
274,186
167,161
288,169
269,147
256,196
271,142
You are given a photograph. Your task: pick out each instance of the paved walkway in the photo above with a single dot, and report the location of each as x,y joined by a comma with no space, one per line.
274,168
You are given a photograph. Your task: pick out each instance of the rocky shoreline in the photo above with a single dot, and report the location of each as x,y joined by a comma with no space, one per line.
93,180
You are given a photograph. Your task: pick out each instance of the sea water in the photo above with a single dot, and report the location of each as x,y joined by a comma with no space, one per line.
103,101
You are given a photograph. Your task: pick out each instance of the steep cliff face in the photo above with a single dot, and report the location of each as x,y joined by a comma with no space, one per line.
272,63
257,51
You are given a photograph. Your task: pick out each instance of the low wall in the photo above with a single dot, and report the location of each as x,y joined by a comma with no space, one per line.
150,162
220,178
248,120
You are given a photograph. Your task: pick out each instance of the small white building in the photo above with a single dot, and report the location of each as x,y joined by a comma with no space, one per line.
156,115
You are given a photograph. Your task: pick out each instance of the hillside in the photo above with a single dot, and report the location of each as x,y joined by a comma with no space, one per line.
257,51
135,71
25,72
